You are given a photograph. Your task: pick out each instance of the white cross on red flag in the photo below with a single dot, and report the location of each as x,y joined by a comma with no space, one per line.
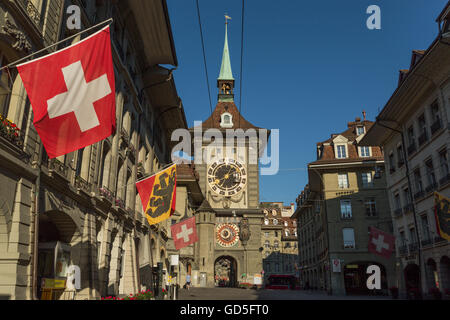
72,93
184,233
381,243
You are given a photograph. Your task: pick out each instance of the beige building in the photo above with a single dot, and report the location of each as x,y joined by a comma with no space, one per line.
82,208
345,196
413,129
279,239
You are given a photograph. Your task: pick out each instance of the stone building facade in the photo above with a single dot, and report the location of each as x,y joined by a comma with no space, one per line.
279,244
83,207
344,197
414,132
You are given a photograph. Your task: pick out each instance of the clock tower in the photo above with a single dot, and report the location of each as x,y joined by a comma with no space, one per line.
229,180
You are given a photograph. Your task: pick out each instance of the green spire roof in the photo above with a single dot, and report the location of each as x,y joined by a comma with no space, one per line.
225,69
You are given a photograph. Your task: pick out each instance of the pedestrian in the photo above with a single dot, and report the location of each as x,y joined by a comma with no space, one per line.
188,281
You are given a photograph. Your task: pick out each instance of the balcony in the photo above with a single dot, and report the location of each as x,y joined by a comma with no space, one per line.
444,180
403,250
58,167
426,242
413,247
419,195
120,203
82,184
106,193
398,212
436,126
423,138
408,208
411,148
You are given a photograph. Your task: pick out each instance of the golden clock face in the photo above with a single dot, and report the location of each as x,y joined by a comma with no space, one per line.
227,177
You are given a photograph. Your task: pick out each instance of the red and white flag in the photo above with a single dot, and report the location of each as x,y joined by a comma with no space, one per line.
381,243
72,93
184,233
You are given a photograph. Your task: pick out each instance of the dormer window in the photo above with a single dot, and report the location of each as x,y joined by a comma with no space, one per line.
364,152
226,120
341,151
360,130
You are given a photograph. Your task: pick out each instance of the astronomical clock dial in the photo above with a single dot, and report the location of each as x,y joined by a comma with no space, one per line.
227,177
227,234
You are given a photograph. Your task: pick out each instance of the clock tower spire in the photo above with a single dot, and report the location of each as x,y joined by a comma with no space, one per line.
225,81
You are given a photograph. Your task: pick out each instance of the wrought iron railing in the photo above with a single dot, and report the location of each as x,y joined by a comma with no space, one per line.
108,194
403,249
120,203
413,247
82,184
444,179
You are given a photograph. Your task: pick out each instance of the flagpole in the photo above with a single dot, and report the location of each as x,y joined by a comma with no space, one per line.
13,64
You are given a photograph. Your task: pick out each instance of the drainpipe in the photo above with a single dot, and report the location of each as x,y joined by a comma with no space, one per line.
410,190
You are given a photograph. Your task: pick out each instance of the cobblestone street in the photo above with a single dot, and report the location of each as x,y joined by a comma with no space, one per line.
248,294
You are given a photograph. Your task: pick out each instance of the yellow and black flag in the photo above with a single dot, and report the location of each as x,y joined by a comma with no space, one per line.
442,215
158,194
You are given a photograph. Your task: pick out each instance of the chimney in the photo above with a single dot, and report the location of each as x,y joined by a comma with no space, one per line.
292,208
364,115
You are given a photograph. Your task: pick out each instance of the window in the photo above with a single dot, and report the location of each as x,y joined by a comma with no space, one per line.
226,120
430,172
391,163
286,232
346,209
402,238
443,162
266,234
275,221
341,152
410,134
367,179
418,180
5,87
267,244
371,210
412,235
425,227
343,180
397,201
364,151
401,159
276,234
349,238
422,125
276,244
359,130
266,221
285,223
407,196
435,117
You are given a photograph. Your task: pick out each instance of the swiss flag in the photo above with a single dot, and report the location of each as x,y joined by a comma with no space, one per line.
184,233
72,94
381,243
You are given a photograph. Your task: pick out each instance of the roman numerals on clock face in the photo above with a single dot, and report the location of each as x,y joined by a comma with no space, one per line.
227,177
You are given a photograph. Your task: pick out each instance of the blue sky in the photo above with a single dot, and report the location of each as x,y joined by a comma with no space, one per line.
309,67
